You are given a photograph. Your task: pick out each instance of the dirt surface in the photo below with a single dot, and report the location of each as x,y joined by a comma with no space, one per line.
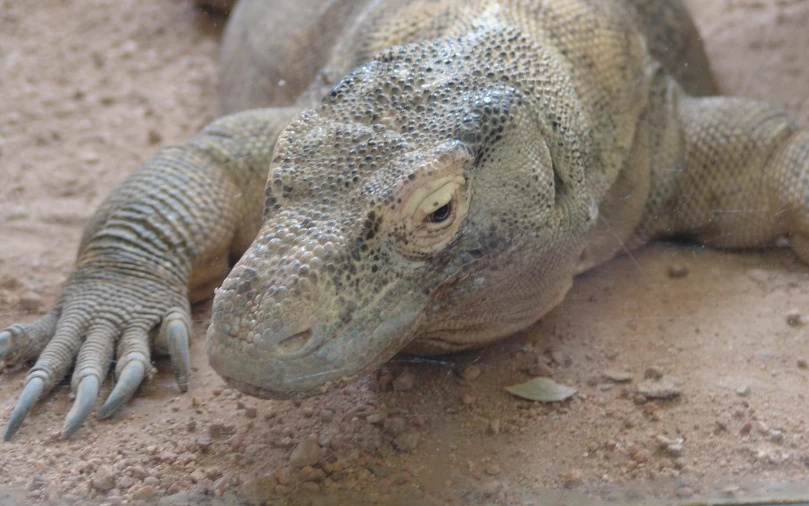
90,88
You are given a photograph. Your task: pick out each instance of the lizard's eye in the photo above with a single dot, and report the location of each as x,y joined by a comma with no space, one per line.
436,205
441,214
432,203
432,214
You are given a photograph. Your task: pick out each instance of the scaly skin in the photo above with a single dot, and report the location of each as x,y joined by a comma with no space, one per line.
442,195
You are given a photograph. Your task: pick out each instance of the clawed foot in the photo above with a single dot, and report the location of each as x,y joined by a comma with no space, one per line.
92,321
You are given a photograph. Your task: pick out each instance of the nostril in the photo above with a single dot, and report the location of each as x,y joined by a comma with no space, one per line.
295,342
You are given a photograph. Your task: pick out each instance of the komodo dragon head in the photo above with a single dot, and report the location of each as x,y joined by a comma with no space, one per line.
434,201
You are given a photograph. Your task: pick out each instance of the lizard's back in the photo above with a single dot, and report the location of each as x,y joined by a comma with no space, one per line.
274,50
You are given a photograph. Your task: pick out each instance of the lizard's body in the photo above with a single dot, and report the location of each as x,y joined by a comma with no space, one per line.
442,195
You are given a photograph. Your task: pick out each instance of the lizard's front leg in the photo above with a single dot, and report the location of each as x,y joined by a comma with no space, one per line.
167,231
743,180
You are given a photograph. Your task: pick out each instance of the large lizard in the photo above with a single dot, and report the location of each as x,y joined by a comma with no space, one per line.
437,172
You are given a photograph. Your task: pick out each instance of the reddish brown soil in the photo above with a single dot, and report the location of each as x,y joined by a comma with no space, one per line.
90,88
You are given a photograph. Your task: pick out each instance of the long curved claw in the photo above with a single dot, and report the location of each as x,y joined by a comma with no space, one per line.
86,395
128,381
29,397
5,343
177,340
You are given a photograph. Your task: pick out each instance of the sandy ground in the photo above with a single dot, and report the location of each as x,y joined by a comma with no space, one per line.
90,88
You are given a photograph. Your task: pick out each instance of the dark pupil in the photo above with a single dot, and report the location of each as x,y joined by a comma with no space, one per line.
440,214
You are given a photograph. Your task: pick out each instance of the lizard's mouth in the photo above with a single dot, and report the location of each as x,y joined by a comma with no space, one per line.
267,393
305,360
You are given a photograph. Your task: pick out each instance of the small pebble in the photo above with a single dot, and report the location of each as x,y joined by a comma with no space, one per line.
310,473
560,358
90,157
145,492
758,275
467,398
384,382
539,370
677,271
405,381
684,492
394,426
663,441
618,376
731,490
204,443
642,456
155,137
653,372
492,469
675,450
794,318
803,364
104,479
663,388
285,442
573,478
307,453
406,442
743,391
258,490
378,471
470,373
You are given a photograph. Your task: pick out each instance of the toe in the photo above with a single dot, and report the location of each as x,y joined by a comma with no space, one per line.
24,341
30,394
134,360
91,368
86,395
176,330
129,380
5,343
